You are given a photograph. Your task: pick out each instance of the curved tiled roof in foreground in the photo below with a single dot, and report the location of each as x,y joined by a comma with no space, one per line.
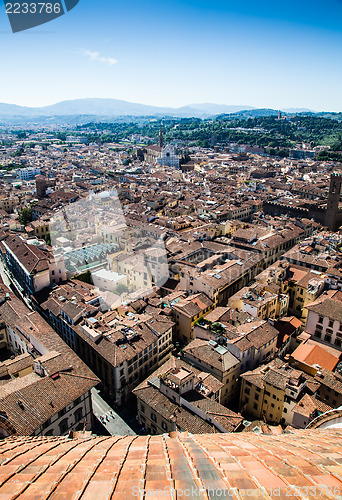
300,464
331,418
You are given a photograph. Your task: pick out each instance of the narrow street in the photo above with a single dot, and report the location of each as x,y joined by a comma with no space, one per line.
3,275
108,418
5,278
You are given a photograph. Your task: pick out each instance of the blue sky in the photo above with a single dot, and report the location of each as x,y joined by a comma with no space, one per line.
173,53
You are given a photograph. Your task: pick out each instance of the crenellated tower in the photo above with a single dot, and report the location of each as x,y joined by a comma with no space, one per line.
331,214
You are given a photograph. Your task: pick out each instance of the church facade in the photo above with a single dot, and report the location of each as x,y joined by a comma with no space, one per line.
164,155
168,157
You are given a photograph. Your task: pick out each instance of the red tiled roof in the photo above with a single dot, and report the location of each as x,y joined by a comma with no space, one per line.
121,467
315,354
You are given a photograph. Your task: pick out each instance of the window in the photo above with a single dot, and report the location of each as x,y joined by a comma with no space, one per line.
164,426
77,401
331,323
320,320
46,424
285,410
142,408
63,426
247,391
256,397
78,414
255,406
153,417
61,413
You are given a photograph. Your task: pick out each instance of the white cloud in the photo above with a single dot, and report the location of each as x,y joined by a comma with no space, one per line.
96,56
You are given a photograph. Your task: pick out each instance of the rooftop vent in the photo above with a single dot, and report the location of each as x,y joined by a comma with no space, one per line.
21,405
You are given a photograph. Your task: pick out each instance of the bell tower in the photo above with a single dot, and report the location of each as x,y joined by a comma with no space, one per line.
333,202
161,138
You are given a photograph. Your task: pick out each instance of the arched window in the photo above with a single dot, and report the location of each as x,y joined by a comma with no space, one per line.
63,426
78,414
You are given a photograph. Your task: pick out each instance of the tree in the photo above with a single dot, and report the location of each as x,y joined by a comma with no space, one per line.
185,158
25,216
85,277
47,239
121,288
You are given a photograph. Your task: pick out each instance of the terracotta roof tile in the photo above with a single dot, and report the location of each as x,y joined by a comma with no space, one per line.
117,467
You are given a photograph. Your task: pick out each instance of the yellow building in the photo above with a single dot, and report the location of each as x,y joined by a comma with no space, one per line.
217,361
270,392
260,302
229,227
41,228
8,203
187,310
303,287
179,397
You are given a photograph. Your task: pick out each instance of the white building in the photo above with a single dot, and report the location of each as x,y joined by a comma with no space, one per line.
108,280
28,174
324,320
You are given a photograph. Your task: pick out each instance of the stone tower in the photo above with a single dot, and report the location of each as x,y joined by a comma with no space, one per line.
161,138
331,214
41,186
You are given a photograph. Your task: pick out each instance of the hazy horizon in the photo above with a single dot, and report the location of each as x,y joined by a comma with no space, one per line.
190,104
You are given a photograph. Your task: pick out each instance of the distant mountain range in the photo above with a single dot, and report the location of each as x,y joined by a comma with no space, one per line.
115,107
83,110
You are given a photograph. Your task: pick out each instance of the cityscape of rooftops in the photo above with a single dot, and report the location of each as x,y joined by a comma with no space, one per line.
170,250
